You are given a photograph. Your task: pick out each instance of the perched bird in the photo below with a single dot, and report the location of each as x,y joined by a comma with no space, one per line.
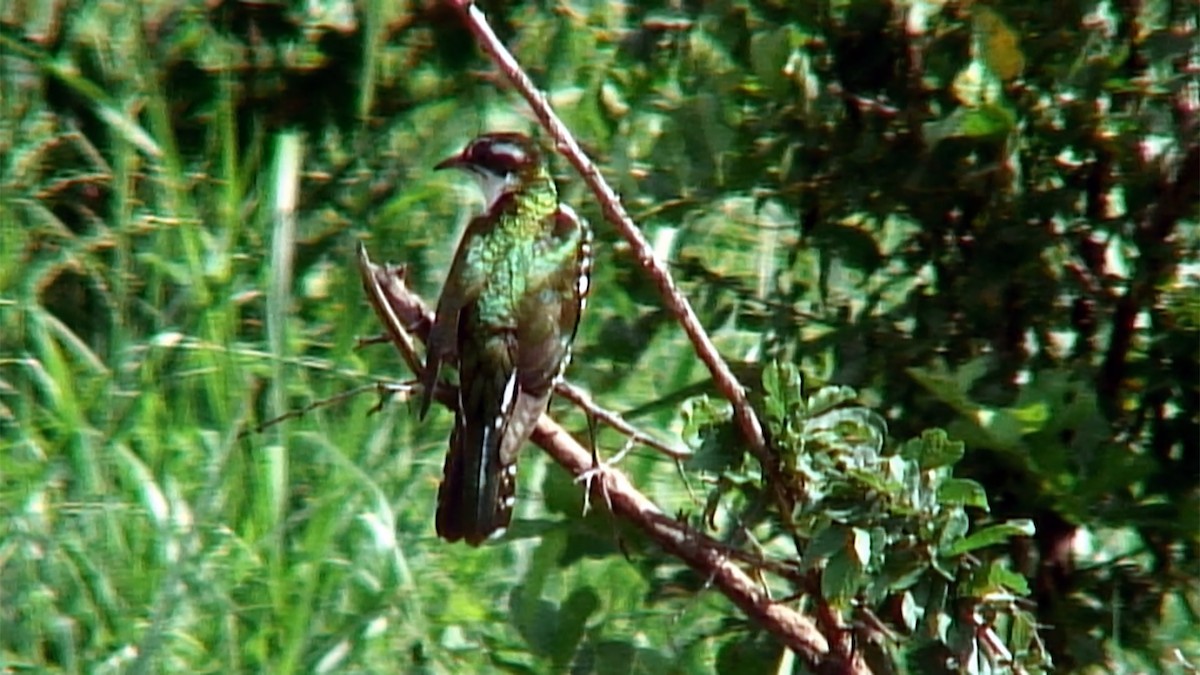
506,319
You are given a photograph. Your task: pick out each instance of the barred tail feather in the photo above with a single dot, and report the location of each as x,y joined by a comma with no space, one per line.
476,497
495,418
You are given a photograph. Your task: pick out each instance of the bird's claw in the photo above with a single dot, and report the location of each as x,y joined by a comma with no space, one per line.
600,470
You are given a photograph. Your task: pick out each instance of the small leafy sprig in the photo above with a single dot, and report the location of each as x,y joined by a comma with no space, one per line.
879,541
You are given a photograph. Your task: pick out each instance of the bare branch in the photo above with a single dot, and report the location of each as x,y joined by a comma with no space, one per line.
384,287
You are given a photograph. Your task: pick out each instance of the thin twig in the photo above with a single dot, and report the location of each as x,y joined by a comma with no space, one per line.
615,212
381,388
581,399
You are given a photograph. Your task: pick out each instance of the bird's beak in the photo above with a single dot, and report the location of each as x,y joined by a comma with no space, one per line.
455,162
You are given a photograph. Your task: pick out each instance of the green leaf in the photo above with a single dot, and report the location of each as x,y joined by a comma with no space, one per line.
619,656
840,578
535,617
782,386
825,544
700,416
702,412
956,526
828,398
994,534
1022,630
872,479
985,121
933,449
857,430
995,582
952,386
1000,576
754,652
962,491
1033,417
769,52
572,623
860,544
709,435
535,620
903,568
560,493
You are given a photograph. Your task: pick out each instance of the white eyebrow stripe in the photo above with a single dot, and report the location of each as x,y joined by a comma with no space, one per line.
507,148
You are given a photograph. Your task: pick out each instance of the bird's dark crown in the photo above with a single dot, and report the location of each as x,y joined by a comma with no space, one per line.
499,154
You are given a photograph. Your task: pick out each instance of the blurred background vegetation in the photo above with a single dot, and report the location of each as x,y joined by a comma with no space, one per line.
982,216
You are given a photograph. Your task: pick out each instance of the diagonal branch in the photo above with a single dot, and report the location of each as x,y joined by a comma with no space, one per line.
405,315
615,212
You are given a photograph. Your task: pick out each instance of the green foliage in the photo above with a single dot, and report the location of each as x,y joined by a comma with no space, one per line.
869,529
977,217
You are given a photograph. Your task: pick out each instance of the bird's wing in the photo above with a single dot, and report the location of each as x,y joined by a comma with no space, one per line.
554,302
462,287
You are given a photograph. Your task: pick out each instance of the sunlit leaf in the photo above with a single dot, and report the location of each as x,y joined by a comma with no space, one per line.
985,121
910,612
1002,577
991,535
860,544
962,491
954,528
827,398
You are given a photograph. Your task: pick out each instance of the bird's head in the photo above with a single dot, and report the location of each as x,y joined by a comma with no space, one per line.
502,163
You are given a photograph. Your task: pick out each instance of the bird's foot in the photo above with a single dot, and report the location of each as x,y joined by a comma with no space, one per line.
599,471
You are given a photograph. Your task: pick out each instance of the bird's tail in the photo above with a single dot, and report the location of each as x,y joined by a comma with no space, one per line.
493,420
